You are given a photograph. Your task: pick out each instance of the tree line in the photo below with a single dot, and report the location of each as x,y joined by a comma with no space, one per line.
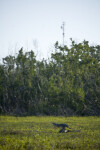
66,84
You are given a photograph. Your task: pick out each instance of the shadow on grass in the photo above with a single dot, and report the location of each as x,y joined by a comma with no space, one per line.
11,132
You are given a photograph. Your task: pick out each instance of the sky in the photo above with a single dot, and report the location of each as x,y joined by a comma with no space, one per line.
36,24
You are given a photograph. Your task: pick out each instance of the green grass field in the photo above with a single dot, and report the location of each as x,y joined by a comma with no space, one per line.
38,133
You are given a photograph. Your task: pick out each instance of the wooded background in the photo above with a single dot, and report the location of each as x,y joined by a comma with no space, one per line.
66,84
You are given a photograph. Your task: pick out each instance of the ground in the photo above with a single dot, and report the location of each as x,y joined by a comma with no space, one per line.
38,133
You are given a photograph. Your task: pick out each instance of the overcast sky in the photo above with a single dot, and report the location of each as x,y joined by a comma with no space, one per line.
36,24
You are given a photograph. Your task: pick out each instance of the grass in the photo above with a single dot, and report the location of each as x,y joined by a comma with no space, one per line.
38,133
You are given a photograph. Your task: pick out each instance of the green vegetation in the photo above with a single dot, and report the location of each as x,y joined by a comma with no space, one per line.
67,84
38,133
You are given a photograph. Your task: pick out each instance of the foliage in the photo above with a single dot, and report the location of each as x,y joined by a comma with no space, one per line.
67,84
